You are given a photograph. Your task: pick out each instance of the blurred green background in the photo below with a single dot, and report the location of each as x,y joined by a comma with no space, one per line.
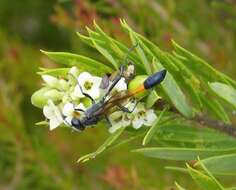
34,157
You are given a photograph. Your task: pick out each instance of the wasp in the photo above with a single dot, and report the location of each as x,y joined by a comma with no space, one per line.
98,110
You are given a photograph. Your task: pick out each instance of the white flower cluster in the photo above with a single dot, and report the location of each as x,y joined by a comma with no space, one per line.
65,96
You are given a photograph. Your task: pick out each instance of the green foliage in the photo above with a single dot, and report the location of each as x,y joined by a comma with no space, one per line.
186,88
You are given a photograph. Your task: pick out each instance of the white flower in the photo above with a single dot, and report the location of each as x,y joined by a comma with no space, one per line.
52,113
118,120
50,80
89,84
69,111
143,116
77,93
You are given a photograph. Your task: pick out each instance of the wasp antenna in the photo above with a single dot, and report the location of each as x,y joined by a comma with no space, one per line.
154,79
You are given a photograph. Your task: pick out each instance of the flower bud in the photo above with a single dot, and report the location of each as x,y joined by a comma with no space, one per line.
63,84
50,80
38,99
53,94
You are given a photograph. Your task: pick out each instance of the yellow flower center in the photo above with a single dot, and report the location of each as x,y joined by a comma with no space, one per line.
88,85
141,114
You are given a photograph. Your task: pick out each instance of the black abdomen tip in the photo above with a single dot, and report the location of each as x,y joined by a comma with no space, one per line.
154,79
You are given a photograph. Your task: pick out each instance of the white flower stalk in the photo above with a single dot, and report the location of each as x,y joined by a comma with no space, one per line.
89,84
118,120
69,112
143,116
52,113
50,81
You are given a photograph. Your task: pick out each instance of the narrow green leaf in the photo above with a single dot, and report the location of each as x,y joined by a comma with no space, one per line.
224,91
170,153
59,72
152,98
103,147
153,129
215,107
178,133
179,187
82,62
221,165
204,181
207,72
178,169
42,123
209,174
106,54
175,94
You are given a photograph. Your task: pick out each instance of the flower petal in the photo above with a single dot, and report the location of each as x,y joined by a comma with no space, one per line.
80,106
47,111
137,123
50,80
94,92
121,85
68,109
84,76
150,118
54,123
77,92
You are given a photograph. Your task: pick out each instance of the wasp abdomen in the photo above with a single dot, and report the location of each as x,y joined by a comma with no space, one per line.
154,79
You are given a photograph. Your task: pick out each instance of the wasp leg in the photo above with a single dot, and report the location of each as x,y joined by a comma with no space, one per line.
125,109
85,94
129,52
108,121
77,109
115,81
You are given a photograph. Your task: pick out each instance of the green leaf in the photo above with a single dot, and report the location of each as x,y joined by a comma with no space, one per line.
204,181
215,107
221,165
153,129
183,134
224,91
152,99
59,72
82,62
209,174
179,187
103,147
42,123
178,169
207,72
175,94
170,153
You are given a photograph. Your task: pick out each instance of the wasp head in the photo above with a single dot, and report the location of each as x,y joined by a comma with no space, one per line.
77,124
